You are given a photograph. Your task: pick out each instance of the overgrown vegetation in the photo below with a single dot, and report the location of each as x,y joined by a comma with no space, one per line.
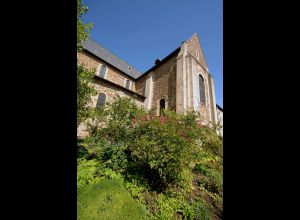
108,199
133,166
84,76
173,169
83,28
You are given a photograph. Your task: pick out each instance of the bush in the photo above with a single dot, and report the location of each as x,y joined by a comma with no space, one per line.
84,92
201,210
211,168
165,207
146,154
161,152
90,172
187,211
87,172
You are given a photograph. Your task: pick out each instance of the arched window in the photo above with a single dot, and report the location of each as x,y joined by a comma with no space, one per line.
101,100
202,90
127,84
162,106
102,71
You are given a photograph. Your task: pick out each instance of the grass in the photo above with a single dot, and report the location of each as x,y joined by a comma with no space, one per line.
108,200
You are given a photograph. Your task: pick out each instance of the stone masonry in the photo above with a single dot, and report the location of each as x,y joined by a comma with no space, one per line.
174,79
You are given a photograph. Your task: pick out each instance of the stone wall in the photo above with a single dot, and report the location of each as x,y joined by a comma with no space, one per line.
190,64
113,74
176,80
111,92
140,85
194,48
196,65
164,84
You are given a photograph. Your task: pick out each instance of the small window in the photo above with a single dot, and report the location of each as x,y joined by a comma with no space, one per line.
127,84
102,71
202,90
101,100
162,106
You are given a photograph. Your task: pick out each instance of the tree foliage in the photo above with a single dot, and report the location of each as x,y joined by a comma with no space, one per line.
85,91
82,28
85,88
170,157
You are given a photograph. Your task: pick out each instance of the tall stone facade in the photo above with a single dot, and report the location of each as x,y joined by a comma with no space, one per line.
180,82
191,67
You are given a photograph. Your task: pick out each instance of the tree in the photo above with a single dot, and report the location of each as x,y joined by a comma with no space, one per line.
82,29
84,92
84,76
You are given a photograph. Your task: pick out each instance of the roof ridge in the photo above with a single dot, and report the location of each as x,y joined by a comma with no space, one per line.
114,54
101,52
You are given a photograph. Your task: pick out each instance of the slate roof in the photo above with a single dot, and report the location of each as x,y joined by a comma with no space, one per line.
100,52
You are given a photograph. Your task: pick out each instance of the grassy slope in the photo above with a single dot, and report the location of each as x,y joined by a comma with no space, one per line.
108,200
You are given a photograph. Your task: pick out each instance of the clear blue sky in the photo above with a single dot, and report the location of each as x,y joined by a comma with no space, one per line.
139,31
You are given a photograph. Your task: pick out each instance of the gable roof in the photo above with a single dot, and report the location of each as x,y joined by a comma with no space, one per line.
100,52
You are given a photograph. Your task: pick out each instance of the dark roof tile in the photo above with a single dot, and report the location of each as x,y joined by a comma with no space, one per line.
110,58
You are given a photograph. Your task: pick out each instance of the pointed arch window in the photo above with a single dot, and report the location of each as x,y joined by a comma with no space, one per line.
202,90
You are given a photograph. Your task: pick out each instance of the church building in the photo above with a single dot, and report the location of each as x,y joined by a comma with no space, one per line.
181,81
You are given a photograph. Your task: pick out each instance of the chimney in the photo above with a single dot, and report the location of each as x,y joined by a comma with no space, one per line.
157,61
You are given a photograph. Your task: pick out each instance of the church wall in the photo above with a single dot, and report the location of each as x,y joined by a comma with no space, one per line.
111,92
140,85
113,74
195,65
176,80
164,83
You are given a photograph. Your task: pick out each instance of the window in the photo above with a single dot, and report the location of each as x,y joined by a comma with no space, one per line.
101,100
127,84
102,71
162,106
202,90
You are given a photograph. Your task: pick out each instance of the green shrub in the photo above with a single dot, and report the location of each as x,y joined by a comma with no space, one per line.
187,211
165,207
149,156
84,92
82,152
92,171
210,140
215,182
201,210
161,152
87,172
135,190
212,178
